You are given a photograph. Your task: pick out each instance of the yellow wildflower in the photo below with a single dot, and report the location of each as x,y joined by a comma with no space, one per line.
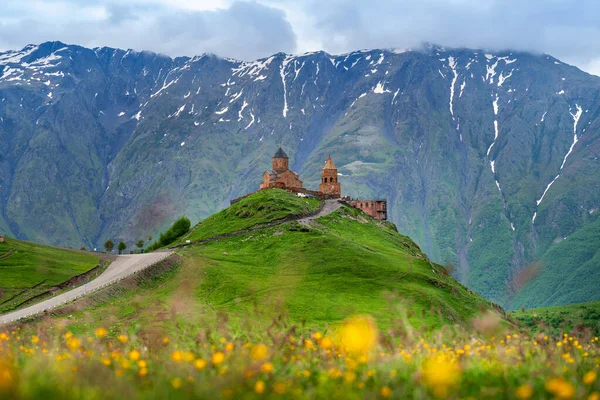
590,377
259,387
259,352
218,358
326,343
134,355
358,335
101,332
200,364
176,383
73,343
440,374
266,368
524,392
177,356
560,388
385,392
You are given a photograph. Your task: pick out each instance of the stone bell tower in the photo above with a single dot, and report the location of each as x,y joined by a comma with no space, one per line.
329,179
280,161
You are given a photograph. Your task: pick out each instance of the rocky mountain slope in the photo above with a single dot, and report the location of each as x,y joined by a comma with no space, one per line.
489,160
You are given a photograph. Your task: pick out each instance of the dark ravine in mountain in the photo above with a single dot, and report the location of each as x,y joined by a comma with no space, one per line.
465,144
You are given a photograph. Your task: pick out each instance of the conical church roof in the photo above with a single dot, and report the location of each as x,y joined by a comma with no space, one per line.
280,154
329,164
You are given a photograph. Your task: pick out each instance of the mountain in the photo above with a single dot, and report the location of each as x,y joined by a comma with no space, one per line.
488,159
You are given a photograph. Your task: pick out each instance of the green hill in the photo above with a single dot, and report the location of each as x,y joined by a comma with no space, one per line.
561,319
345,263
28,269
261,208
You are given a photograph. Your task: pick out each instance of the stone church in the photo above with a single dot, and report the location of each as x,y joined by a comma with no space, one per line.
280,176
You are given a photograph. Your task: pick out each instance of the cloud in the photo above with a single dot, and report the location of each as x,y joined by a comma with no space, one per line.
244,30
567,29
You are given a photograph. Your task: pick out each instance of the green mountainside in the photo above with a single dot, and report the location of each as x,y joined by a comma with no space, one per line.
29,269
345,263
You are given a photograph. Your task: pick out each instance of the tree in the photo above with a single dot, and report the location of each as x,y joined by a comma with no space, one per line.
140,244
150,238
108,245
122,246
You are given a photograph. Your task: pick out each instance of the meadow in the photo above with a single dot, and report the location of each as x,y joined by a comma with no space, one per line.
350,360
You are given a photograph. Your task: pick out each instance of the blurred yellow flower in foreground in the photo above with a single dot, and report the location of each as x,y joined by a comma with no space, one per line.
326,343
134,355
200,364
177,356
259,352
176,383
218,358
439,374
101,332
560,388
6,376
358,335
524,392
73,343
385,392
590,377
259,387
123,339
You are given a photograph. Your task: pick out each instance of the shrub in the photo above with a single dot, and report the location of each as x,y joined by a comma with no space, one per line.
177,230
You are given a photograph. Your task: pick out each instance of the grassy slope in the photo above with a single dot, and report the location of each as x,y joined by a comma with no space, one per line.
348,264
260,208
25,264
562,318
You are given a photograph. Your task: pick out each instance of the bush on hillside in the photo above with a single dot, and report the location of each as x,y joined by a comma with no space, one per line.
177,230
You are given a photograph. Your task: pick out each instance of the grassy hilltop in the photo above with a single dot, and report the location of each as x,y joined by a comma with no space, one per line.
28,269
348,263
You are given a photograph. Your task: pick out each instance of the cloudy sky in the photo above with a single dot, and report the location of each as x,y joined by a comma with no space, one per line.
566,29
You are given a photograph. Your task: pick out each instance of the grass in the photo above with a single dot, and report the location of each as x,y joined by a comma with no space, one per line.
260,208
28,269
561,319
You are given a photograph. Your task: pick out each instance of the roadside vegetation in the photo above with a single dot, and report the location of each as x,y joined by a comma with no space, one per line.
29,269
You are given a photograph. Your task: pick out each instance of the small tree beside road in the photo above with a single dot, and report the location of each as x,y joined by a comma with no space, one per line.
109,245
122,246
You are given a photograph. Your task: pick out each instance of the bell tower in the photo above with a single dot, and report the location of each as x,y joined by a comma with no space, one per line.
280,161
329,179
